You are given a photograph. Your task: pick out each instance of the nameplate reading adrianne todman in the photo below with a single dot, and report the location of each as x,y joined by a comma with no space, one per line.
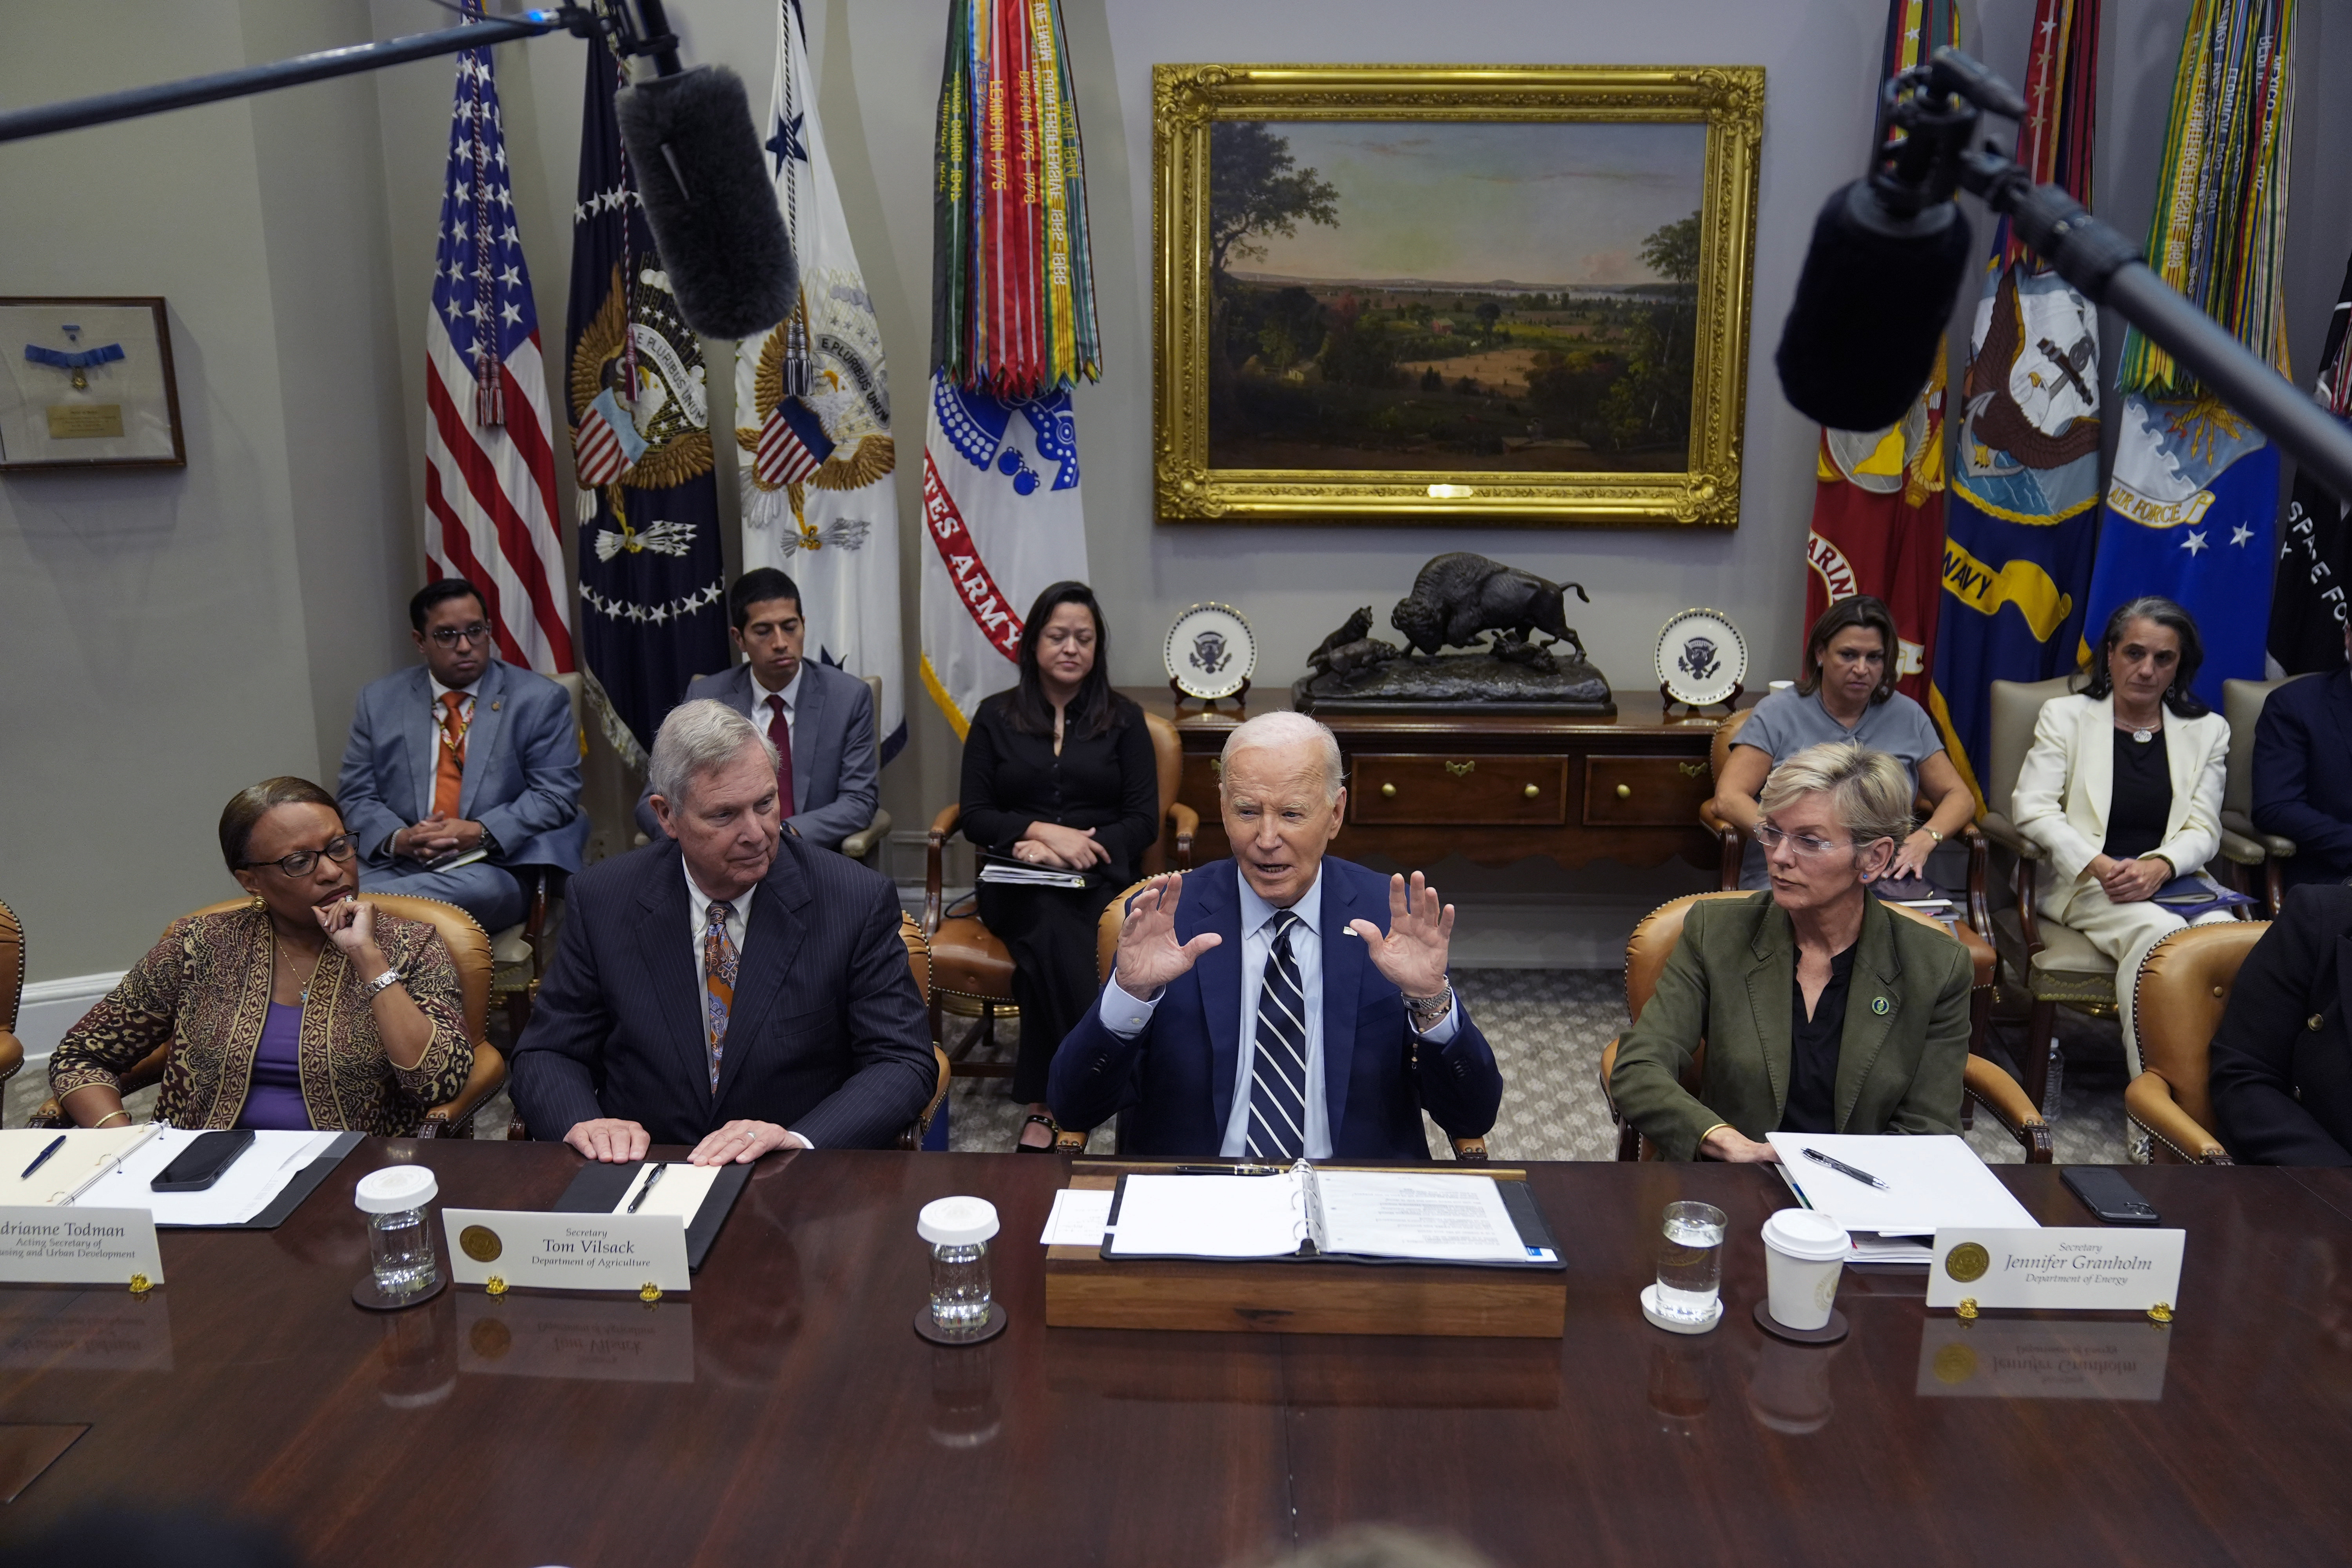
2086,1270
48,1245
567,1251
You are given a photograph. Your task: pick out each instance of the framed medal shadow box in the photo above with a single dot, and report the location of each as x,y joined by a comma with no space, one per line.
87,383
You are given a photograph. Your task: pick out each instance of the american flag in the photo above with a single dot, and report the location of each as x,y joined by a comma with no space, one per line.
490,457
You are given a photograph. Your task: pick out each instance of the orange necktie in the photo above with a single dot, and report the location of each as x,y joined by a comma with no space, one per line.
449,776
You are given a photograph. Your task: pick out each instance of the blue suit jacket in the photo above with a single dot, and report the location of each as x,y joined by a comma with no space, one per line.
1176,1078
827,1035
2302,786
522,766
835,778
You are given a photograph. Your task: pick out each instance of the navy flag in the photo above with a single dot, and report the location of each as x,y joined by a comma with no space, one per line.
653,591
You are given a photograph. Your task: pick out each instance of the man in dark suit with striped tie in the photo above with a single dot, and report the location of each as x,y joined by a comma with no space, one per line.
1283,1003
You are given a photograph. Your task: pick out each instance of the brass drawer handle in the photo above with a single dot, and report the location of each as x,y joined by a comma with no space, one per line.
1388,791
1459,769
1531,792
1624,792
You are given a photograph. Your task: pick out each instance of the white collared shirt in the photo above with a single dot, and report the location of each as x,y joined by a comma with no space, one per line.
761,713
1126,1017
698,920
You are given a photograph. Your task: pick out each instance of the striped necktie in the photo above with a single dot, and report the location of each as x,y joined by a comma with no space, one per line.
718,984
1278,1122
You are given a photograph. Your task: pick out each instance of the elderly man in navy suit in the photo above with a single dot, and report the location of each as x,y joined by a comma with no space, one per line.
727,986
462,753
1283,1002
819,718
2303,773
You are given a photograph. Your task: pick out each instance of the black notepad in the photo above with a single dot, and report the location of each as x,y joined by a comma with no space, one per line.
600,1187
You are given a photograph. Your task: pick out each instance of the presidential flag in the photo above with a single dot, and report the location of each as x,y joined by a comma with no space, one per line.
2314,564
2192,504
653,591
1878,500
489,456
1013,328
2020,521
812,413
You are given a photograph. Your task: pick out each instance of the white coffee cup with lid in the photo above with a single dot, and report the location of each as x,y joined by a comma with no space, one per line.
1804,1252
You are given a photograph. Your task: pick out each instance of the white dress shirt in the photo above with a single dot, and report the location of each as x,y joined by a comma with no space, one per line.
761,713
1126,1017
698,920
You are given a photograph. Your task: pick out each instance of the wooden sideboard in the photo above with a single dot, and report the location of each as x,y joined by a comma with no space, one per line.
1495,787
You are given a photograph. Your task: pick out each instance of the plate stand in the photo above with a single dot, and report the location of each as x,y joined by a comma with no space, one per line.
1240,700
1668,702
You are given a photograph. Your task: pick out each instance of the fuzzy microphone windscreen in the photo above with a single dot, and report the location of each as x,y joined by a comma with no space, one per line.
699,168
1870,311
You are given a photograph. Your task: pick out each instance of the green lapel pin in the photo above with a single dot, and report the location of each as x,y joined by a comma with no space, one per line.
1879,1007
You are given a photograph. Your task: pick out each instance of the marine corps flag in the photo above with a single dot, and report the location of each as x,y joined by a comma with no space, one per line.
2020,520
1012,328
1878,507
653,591
812,413
2193,502
2307,604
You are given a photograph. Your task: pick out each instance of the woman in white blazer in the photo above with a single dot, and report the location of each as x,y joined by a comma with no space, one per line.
2123,790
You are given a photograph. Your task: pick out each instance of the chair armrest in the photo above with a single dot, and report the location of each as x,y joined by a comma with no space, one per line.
1980,880
2244,851
1470,1150
2011,1105
451,1119
913,1137
2003,832
2239,822
1188,827
2148,1100
12,1056
534,925
935,844
860,844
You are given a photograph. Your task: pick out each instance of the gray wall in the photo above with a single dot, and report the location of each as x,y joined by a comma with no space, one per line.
170,638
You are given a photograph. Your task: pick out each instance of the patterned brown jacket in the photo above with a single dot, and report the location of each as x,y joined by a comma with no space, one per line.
205,988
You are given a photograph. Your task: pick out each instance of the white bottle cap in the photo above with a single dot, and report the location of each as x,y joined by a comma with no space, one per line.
1805,1235
396,1189
956,1222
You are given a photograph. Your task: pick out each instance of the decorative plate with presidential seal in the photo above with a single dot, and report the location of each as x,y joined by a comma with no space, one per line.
1702,658
1211,652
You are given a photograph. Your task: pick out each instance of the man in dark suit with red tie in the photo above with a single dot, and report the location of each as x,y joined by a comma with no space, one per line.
727,986
1283,1002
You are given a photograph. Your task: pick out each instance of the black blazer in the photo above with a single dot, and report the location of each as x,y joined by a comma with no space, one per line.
2303,791
1108,781
2282,1087
828,1036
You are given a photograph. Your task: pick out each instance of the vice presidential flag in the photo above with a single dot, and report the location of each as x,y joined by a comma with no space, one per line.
812,415
653,591
2314,564
489,458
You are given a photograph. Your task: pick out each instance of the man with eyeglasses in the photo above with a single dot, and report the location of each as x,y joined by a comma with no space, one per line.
463,769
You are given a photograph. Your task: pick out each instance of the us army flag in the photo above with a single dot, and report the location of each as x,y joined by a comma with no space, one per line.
812,415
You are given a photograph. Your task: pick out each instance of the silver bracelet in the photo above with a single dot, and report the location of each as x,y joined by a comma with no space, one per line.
1435,1008
385,981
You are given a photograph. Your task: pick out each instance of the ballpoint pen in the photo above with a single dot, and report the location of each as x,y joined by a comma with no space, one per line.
1231,1170
647,1188
42,1158
1845,1169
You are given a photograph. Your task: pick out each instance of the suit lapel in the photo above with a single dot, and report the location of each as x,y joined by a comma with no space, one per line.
1772,976
2095,763
1220,973
1343,974
422,735
665,941
773,934
804,734
1876,978
482,734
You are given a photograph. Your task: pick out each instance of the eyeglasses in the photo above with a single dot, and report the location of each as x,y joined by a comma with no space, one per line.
1805,845
450,637
338,848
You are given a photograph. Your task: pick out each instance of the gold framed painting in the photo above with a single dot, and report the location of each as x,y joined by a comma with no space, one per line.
1475,294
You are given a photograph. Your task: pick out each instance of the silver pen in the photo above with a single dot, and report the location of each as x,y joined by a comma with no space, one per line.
1844,1169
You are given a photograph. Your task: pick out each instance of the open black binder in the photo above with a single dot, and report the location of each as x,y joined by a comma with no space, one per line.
600,1187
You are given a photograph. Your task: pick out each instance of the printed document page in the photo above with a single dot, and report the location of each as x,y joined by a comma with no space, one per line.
249,1185
88,1153
1392,1214
1209,1217
1931,1183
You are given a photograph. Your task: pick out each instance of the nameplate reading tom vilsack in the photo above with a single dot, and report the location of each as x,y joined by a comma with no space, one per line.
2085,1269
504,1250
48,1245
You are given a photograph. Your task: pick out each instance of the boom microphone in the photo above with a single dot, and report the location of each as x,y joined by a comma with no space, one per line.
708,198
1872,304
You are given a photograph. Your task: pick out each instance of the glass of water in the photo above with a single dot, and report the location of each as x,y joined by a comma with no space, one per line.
1690,1261
400,1240
958,1230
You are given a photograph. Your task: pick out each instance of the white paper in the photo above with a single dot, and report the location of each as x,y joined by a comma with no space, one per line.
1209,1217
679,1193
1030,876
1079,1218
250,1185
1932,1182
1395,1214
90,1152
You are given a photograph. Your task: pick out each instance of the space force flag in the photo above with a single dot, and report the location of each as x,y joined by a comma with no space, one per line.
812,413
2307,600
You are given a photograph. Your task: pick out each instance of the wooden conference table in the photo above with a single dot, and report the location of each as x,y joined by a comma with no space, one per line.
787,1412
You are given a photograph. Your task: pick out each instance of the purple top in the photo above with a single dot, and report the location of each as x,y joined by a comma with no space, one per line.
274,1102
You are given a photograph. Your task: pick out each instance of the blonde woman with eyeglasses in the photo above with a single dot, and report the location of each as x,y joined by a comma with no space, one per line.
302,1008
1820,1012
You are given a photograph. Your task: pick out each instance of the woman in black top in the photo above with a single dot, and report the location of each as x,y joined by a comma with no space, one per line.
1057,773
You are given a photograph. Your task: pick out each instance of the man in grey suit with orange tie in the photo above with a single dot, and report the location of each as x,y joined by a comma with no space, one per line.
819,718
461,753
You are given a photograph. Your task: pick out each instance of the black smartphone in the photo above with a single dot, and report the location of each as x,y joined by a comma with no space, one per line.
200,1164
2106,1194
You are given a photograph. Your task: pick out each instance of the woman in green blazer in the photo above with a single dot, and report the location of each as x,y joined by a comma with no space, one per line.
1820,1012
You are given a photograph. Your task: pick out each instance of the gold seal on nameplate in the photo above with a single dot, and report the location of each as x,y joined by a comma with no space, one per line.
1966,1263
482,1245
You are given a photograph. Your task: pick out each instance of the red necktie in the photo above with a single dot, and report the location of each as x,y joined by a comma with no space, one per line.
781,734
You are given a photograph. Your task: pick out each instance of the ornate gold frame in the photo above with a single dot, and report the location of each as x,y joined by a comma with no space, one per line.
1729,100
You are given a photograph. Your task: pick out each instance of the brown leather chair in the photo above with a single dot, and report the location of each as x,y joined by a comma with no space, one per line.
1653,941
12,992
2241,707
1068,1140
2183,988
470,950
971,966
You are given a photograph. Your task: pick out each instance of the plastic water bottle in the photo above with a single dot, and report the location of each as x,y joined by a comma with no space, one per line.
958,1230
399,1242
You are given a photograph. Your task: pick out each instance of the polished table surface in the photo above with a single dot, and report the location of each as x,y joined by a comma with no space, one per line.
787,1411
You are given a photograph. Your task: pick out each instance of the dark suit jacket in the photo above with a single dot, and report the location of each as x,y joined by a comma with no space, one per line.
835,778
522,766
1176,1078
2281,1089
2302,786
1731,981
827,1036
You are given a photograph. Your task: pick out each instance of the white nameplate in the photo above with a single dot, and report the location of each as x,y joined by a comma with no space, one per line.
78,1247
538,1251
2092,1269
2033,1358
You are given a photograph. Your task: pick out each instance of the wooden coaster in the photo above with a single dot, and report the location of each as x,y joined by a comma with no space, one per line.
940,1336
366,1294
1829,1334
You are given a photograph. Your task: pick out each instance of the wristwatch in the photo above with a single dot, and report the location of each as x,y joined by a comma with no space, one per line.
1430,1009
